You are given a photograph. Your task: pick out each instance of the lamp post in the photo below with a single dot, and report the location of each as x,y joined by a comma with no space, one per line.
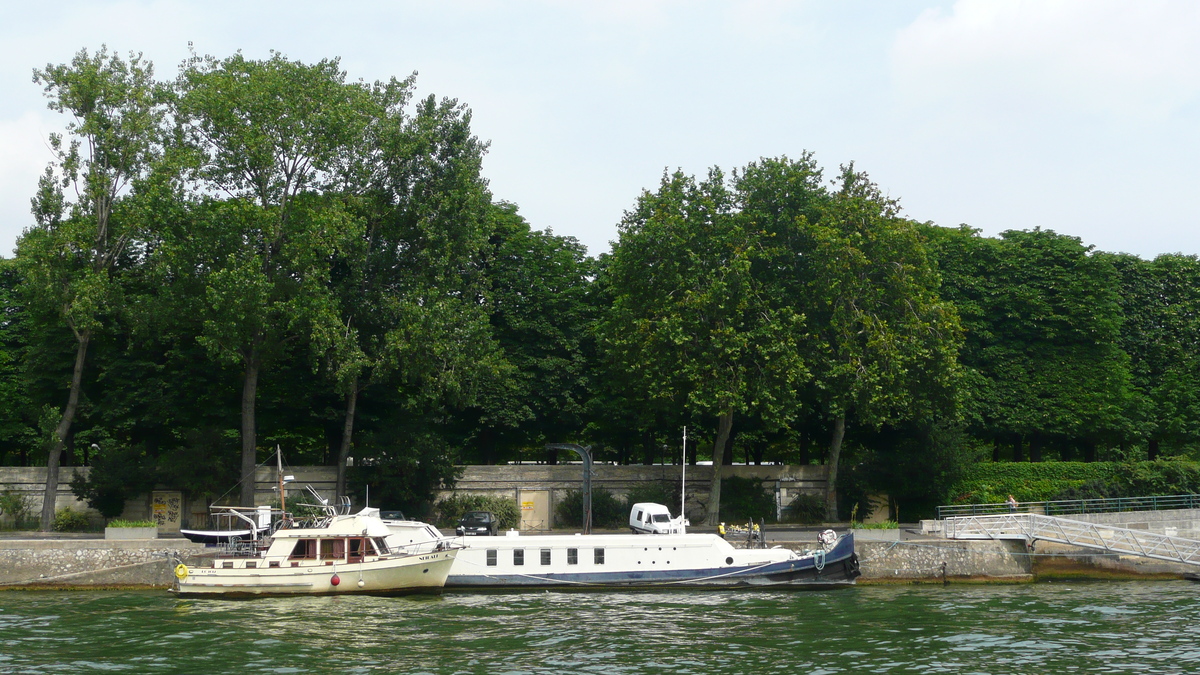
586,454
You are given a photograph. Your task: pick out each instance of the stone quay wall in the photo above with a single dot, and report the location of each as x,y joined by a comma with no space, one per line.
506,480
56,563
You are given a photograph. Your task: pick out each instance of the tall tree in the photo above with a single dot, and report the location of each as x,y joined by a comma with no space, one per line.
68,256
880,343
271,134
1160,304
406,286
1043,323
690,321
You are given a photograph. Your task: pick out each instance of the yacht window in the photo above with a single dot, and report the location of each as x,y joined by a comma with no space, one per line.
491,557
572,556
545,556
305,548
598,556
333,548
639,515
357,547
518,556
662,517
381,546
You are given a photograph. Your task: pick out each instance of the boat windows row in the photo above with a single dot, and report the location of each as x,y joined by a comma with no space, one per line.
545,556
352,548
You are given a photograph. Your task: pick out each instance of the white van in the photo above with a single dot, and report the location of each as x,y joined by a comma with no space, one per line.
648,518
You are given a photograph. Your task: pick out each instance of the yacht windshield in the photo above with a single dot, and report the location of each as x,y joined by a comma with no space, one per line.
662,517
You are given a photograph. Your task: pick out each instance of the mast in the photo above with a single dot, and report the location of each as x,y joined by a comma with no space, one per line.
279,474
683,478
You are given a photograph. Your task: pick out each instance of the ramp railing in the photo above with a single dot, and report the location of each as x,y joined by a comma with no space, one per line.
1031,526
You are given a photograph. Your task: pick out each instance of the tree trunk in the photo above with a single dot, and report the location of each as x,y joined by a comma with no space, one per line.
347,436
50,496
724,424
249,439
835,454
803,459
1035,448
648,448
1089,451
1152,450
1019,450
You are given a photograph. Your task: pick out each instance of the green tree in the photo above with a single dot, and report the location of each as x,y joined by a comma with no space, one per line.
690,323
67,258
1160,305
407,315
271,134
1043,324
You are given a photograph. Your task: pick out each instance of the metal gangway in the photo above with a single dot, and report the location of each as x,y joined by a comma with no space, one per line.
1031,526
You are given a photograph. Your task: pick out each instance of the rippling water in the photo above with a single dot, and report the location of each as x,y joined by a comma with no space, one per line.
1121,627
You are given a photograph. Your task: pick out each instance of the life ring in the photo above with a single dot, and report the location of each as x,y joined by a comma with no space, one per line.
181,571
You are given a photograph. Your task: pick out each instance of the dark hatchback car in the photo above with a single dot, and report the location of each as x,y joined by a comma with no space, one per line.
482,523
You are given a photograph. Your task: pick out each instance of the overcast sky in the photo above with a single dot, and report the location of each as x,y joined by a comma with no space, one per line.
1080,116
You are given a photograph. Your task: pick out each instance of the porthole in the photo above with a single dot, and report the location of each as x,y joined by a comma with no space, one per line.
729,561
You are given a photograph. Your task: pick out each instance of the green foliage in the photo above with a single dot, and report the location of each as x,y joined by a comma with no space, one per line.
131,523
16,505
608,510
745,499
1091,489
404,472
990,482
806,509
656,492
885,525
116,475
70,520
449,510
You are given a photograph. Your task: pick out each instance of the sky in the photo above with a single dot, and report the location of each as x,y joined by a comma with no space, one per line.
1078,116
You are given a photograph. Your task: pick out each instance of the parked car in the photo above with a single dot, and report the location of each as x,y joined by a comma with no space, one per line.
482,523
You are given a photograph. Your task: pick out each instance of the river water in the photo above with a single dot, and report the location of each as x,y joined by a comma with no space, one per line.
1085,627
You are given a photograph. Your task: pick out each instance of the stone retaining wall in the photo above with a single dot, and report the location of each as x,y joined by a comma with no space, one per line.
503,479
93,562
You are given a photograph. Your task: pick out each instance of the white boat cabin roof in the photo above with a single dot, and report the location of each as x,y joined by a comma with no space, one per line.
365,523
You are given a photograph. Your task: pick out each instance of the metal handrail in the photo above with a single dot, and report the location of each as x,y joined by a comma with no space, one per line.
1031,526
1072,506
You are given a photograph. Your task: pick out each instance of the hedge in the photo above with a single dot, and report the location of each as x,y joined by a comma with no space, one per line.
992,482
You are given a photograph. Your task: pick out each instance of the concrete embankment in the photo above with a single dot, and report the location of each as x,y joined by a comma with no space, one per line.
900,557
885,557
93,563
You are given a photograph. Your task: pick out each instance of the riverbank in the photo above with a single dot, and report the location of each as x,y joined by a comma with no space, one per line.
886,557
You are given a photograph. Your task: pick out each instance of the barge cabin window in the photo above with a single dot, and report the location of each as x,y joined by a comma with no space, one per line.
572,556
491,557
598,556
545,556
518,556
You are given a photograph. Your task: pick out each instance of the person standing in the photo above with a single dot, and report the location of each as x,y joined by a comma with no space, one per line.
1012,504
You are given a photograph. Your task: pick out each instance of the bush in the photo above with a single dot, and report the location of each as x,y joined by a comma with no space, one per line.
608,510
116,475
448,511
1092,489
744,499
132,523
657,492
70,520
806,509
16,505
